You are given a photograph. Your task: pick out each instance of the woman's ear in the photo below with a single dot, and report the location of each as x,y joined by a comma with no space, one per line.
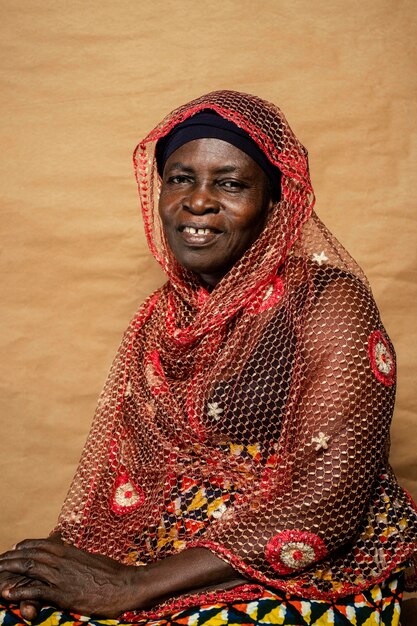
274,196
271,204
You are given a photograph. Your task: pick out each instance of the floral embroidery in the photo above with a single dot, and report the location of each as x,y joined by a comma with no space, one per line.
296,554
291,550
319,258
321,440
381,358
214,410
127,496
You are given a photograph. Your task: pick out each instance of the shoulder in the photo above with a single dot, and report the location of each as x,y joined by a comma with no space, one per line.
318,285
331,306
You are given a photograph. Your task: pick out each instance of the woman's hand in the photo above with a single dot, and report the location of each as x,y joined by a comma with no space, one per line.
91,584
28,609
71,579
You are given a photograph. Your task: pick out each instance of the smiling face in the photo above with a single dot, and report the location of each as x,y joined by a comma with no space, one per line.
214,203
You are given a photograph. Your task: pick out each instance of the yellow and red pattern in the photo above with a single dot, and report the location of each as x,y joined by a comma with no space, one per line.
378,606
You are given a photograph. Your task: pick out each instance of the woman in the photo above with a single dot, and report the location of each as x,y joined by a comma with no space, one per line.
238,455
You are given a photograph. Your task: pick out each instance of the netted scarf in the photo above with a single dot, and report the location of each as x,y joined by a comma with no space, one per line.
275,391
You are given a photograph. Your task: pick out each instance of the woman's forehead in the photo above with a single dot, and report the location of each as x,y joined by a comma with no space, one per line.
210,152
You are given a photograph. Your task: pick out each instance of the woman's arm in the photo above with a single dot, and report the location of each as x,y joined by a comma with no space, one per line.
313,497
91,584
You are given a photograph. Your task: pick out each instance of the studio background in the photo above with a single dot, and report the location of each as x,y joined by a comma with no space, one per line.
81,83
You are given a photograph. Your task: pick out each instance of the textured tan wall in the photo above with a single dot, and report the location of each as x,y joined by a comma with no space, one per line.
81,82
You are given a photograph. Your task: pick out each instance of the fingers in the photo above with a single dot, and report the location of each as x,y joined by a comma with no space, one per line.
29,566
29,610
32,553
15,580
19,553
34,594
52,545
8,580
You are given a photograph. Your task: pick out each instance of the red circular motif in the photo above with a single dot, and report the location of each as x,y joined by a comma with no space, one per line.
127,496
381,358
291,550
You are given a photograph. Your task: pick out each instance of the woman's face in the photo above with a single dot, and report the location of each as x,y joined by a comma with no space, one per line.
214,203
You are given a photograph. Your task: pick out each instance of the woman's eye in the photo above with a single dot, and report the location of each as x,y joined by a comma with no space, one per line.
177,180
232,184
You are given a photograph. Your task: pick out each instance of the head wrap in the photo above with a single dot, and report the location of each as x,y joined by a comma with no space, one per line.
208,124
253,420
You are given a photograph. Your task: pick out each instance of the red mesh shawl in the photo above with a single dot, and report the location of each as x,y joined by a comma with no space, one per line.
275,391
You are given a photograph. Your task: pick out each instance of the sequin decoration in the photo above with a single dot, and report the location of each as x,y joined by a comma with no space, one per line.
269,297
291,550
155,374
127,496
382,359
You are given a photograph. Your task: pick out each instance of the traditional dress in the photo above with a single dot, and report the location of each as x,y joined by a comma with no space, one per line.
252,420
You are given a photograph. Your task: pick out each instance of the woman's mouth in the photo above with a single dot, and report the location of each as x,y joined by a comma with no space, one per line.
197,231
198,236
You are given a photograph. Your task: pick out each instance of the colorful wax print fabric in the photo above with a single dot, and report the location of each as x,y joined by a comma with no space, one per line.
378,606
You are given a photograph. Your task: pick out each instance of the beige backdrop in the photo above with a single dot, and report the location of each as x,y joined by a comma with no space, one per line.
81,83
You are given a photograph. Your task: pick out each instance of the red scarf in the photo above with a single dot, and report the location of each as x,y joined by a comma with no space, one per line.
280,382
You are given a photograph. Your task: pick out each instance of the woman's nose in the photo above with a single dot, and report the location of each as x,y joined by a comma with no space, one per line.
201,200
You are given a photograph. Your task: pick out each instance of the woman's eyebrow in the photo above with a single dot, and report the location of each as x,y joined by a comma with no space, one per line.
180,166
226,169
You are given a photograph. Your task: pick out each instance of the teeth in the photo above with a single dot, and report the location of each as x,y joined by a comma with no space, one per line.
196,231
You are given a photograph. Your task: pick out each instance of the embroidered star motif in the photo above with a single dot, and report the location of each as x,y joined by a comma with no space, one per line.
217,513
322,440
128,391
75,517
319,258
214,410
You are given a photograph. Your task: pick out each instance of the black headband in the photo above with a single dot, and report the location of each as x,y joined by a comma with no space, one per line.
208,124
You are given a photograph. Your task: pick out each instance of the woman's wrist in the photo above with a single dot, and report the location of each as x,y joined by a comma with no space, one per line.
190,570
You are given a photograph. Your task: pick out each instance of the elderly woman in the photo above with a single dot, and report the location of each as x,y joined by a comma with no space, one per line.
236,470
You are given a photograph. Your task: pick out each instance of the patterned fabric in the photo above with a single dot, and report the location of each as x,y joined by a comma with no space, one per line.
379,606
287,357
